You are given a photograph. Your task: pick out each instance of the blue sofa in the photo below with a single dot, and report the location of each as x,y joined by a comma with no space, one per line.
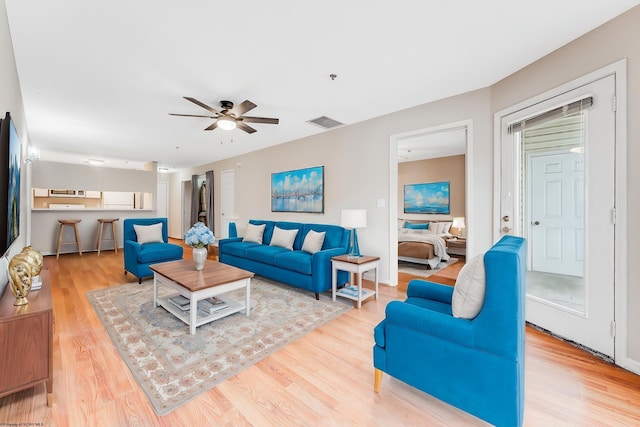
474,364
138,257
294,267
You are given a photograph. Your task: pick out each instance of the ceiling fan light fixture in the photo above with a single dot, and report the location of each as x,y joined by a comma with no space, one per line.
226,123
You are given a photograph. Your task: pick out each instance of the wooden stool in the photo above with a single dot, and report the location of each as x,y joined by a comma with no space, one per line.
71,223
102,222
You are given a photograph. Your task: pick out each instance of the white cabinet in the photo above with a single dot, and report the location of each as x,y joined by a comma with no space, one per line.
92,194
40,192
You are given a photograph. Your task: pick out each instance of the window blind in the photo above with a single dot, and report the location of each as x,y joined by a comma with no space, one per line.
556,113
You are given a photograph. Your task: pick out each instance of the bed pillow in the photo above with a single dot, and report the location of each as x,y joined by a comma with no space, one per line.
313,241
254,233
283,238
421,226
148,233
447,227
469,290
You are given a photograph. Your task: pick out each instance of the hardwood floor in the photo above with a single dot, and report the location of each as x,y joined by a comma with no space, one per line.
322,379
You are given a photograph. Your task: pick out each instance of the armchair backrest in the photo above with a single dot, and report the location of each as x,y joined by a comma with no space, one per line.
129,232
500,324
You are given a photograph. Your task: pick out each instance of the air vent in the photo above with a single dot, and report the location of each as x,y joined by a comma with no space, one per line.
325,122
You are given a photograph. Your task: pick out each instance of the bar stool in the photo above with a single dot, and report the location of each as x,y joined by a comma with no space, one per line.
102,222
71,223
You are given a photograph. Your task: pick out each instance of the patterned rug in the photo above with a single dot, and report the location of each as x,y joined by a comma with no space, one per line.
173,366
422,269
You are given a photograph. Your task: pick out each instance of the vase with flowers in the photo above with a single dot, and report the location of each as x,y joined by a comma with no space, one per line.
198,237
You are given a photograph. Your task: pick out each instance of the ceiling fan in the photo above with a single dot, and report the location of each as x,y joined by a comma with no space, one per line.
230,116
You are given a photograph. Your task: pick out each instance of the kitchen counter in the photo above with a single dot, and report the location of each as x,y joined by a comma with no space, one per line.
45,227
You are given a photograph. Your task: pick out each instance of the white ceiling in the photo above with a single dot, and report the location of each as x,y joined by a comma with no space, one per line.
99,78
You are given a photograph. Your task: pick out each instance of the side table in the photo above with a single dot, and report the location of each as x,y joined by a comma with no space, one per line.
457,247
358,265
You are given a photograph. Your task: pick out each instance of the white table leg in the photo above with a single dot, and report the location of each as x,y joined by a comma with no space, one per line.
360,290
193,313
334,279
155,289
247,297
376,274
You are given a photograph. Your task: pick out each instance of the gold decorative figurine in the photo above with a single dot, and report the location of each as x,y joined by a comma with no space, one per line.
23,267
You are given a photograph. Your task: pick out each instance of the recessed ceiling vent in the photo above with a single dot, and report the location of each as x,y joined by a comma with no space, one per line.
325,122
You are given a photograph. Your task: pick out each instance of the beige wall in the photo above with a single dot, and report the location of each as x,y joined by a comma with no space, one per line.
613,41
450,169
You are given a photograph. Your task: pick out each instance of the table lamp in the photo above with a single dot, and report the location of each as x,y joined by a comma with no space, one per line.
458,222
353,219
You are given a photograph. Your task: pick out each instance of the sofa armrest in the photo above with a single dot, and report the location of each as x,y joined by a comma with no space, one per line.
322,259
223,242
430,322
418,288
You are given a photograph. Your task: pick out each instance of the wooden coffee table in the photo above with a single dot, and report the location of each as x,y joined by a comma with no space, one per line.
214,280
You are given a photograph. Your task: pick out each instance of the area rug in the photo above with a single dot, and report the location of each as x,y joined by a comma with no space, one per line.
422,269
173,366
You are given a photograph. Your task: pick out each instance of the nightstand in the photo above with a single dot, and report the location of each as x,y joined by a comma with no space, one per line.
357,265
457,247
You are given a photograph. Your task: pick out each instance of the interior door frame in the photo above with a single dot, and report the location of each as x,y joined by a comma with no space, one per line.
619,70
393,188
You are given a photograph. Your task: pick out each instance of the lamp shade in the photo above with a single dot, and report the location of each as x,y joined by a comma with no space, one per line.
354,218
458,222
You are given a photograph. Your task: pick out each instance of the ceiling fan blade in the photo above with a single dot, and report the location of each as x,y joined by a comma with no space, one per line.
259,120
245,106
192,115
203,105
213,126
244,127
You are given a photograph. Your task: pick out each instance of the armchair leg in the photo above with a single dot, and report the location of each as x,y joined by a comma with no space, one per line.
377,379
317,296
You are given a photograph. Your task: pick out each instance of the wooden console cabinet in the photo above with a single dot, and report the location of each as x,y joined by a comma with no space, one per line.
26,341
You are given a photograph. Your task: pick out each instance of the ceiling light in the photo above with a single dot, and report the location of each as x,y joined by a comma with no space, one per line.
163,170
226,123
95,162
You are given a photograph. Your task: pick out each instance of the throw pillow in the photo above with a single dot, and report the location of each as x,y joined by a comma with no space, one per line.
469,291
313,241
283,238
148,233
416,226
254,233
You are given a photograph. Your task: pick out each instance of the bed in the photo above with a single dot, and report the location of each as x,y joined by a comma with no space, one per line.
422,242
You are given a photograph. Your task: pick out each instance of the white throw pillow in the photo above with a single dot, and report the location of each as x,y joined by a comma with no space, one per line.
469,291
254,233
148,233
313,241
283,238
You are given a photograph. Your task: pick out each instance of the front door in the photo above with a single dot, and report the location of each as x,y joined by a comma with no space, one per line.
557,188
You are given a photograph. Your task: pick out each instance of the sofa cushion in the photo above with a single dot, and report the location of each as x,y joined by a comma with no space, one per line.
313,241
299,261
238,248
283,238
159,252
254,233
263,253
148,233
469,290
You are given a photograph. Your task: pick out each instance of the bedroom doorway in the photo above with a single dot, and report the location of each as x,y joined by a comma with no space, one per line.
445,141
557,189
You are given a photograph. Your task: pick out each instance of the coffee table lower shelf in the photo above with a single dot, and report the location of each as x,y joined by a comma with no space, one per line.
233,307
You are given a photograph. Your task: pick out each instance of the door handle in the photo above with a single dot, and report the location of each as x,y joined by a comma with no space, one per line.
536,223
506,218
506,229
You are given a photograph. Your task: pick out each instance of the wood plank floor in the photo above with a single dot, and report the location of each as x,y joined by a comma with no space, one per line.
322,379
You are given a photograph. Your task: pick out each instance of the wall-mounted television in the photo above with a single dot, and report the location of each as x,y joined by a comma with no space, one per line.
427,198
10,184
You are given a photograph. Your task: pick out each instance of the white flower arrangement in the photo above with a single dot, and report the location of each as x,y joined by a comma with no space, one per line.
199,236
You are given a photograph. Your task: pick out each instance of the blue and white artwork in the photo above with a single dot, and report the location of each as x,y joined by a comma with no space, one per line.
427,198
13,217
300,190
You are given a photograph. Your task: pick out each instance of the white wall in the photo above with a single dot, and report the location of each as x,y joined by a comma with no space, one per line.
11,100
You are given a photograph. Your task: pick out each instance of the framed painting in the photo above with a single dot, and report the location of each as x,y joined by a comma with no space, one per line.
427,198
300,190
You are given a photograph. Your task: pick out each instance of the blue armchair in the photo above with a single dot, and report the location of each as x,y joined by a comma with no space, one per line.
476,364
139,256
